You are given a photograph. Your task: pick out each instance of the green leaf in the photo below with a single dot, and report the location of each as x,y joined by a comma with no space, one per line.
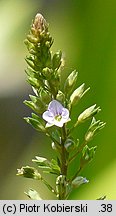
36,104
49,167
54,166
36,124
41,162
33,194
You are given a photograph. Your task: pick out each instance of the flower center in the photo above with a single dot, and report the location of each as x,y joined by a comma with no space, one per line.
58,117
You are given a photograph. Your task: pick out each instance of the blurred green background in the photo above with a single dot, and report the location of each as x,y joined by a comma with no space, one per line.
85,30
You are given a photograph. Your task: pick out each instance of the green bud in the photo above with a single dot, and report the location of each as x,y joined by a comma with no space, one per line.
56,60
34,82
94,128
70,82
32,39
29,172
78,94
79,181
88,113
47,72
60,96
54,83
45,96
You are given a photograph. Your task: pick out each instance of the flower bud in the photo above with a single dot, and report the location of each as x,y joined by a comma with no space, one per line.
29,172
60,96
40,24
47,72
56,60
88,113
79,181
70,81
45,96
78,94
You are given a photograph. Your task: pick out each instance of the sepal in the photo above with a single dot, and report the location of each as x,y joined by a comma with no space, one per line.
94,128
87,155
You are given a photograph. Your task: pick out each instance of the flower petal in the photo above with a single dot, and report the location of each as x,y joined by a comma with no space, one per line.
65,113
48,116
55,107
58,123
49,125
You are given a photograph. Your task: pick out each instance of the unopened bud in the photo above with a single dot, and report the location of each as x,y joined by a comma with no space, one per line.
60,96
78,94
40,23
88,113
70,81
56,60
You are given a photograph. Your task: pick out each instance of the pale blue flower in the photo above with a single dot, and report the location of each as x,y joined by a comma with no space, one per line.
56,114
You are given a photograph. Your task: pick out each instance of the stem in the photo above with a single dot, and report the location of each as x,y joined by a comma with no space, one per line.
77,173
79,150
49,186
75,125
62,191
63,153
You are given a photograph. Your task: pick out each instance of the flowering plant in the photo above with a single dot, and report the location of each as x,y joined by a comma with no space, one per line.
53,105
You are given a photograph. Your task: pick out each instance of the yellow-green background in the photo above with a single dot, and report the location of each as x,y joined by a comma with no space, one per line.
85,30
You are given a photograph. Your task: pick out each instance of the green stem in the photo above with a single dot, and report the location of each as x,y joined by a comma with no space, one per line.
62,193
75,125
49,186
79,150
63,152
76,174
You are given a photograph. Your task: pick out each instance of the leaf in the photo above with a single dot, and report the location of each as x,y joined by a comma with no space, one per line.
54,166
49,167
35,124
41,161
33,194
